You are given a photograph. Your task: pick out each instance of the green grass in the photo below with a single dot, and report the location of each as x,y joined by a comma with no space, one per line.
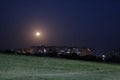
16,67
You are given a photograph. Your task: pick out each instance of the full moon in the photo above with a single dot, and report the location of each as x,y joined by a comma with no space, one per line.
37,33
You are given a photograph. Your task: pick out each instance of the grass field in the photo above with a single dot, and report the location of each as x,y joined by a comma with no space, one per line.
19,67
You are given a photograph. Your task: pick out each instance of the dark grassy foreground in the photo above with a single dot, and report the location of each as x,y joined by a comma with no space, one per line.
16,67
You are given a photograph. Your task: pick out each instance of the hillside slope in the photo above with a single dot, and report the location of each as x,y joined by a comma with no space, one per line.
16,67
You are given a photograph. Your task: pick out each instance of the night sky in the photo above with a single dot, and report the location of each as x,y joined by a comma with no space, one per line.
92,23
